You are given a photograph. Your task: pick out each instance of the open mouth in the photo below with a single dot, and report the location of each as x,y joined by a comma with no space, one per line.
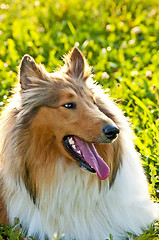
86,156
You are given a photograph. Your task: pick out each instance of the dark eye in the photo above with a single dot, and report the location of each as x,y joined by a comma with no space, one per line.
70,105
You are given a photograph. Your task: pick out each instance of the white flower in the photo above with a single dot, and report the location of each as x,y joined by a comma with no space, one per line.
105,75
136,30
148,74
134,73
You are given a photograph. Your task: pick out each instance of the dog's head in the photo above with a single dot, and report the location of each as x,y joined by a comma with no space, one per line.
63,111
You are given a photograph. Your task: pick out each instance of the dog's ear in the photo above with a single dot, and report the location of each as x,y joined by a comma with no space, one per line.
76,65
29,71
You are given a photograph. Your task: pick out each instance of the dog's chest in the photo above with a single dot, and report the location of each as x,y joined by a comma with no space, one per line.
75,206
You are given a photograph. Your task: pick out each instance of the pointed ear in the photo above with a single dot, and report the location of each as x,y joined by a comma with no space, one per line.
76,65
29,69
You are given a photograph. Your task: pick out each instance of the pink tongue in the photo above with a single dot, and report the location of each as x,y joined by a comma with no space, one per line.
93,159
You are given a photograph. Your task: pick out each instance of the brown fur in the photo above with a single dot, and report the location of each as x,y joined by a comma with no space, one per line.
36,122
3,211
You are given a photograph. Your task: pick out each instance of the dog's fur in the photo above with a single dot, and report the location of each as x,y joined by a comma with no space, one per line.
42,185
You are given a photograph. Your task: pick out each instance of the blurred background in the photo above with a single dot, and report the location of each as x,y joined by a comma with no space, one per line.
120,39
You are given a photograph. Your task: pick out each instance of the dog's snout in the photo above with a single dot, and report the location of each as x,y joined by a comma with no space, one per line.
110,131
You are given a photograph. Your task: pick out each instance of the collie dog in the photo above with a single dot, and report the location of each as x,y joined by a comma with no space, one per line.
67,160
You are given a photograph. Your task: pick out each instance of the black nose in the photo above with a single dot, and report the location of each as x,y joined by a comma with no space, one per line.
110,131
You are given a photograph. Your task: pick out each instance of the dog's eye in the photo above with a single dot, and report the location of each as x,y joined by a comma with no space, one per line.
70,105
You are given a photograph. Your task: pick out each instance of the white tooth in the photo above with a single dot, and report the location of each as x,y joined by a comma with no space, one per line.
73,146
79,152
71,141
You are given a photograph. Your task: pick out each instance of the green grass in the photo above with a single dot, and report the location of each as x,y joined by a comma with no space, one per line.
119,38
